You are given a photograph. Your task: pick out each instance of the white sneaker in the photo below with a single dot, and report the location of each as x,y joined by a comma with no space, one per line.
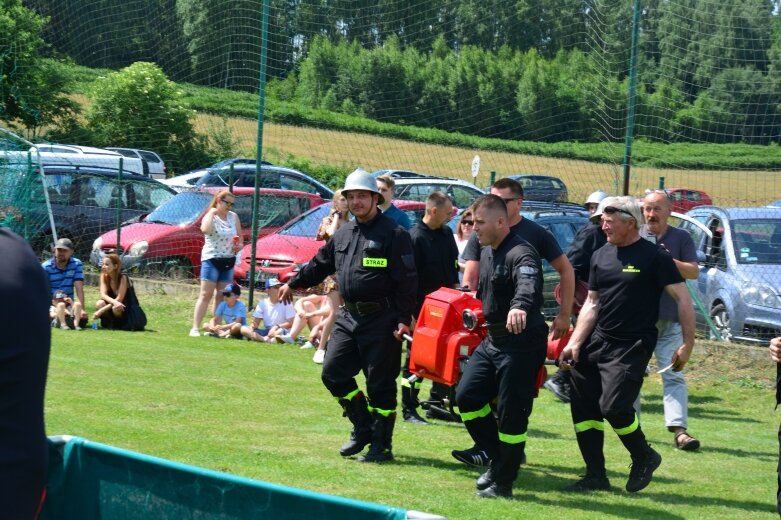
306,345
319,356
195,333
285,338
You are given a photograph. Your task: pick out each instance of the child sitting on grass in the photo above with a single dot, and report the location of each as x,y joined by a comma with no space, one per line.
62,310
311,311
232,311
277,317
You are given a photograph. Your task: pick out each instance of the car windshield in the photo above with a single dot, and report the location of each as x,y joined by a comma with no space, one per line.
182,210
757,241
307,225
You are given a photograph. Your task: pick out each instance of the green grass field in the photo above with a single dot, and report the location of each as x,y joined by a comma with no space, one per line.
260,411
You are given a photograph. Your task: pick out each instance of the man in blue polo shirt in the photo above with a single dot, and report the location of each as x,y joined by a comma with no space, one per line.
387,186
66,274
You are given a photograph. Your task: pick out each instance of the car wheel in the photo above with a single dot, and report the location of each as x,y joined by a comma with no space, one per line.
179,269
721,321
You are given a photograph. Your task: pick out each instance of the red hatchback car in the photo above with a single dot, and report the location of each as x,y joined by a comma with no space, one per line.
168,241
280,254
684,199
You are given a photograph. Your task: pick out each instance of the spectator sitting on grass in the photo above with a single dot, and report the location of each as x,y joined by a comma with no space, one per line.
66,275
313,311
277,317
231,311
61,311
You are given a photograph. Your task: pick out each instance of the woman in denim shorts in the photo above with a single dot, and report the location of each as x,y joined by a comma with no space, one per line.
222,232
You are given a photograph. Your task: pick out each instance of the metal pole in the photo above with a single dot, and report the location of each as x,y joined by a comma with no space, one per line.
661,183
119,206
492,179
632,97
259,153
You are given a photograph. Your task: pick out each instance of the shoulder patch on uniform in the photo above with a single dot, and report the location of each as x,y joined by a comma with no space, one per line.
525,269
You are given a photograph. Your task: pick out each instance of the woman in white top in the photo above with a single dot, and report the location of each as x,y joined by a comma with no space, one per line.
222,232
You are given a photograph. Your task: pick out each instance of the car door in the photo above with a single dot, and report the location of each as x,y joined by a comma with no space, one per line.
707,231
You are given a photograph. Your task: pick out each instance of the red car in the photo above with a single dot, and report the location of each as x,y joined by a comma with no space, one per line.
169,240
684,199
279,254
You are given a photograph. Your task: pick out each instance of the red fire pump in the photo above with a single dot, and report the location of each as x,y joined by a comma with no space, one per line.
449,328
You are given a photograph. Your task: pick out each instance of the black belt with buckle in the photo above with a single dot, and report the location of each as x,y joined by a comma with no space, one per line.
366,308
497,330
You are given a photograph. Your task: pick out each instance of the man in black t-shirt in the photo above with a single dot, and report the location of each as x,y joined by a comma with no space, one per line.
588,239
436,261
614,339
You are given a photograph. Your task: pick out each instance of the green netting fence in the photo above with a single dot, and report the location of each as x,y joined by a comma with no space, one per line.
94,481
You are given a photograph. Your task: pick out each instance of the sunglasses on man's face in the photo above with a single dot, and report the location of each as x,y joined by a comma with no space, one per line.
226,294
610,210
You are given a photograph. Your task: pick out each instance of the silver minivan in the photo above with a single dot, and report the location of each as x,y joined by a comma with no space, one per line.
739,253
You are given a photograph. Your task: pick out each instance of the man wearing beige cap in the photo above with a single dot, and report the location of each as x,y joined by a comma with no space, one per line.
614,339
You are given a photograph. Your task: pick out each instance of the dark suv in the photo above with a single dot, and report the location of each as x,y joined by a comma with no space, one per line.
563,220
85,202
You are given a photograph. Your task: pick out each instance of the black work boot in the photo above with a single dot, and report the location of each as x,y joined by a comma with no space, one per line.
357,411
596,481
643,470
382,439
409,405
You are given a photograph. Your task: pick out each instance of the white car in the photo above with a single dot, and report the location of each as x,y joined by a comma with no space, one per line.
462,193
74,156
153,164
185,181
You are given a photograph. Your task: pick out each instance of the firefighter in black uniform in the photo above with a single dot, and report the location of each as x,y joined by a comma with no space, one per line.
614,339
588,239
436,261
372,257
506,363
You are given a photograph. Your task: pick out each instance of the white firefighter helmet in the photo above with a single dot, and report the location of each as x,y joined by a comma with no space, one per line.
360,179
595,198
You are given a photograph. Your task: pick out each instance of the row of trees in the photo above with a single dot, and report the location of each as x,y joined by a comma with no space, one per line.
218,42
522,69
523,95
137,107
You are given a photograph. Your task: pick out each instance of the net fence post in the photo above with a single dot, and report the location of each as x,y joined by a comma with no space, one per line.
259,153
632,96
119,204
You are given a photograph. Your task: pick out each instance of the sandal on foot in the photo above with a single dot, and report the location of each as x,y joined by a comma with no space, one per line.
684,441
